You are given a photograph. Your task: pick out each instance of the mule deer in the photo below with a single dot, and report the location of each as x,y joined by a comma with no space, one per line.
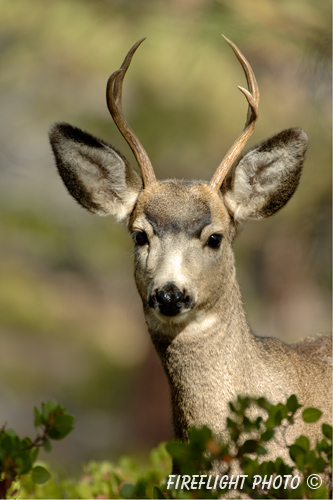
184,262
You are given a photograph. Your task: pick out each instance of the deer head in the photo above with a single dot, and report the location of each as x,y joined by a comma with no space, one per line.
182,230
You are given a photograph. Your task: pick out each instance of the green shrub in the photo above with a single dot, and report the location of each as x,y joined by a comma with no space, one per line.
256,477
17,456
196,458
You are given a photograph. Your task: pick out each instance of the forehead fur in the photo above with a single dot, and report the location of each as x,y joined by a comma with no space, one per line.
178,205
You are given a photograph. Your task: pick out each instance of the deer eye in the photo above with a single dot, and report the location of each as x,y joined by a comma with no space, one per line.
140,238
214,240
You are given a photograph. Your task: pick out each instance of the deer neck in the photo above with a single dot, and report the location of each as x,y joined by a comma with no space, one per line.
203,361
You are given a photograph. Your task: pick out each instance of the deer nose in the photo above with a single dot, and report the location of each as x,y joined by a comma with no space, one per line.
165,297
170,299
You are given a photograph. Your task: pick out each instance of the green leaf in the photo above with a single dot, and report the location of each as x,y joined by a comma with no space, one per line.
323,446
234,431
37,417
200,436
320,493
310,459
278,417
48,409
293,404
141,488
186,456
40,475
23,463
267,435
158,493
258,422
281,468
244,402
327,431
25,443
311,415
60,427
320,465
260,450
34,454
296,452
263,403
47,445
11,433
250,446
303,442
7,443
233,407
127,490
178,451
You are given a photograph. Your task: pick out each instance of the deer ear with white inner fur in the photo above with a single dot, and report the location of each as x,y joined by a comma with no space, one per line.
266,177
95,173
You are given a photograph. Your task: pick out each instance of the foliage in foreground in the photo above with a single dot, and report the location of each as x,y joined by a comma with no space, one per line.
17,456
203,451
194,460
197,457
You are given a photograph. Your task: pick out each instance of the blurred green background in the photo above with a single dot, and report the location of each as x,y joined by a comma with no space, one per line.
71,325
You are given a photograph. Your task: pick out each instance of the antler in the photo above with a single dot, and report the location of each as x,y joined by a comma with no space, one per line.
252,96
113,99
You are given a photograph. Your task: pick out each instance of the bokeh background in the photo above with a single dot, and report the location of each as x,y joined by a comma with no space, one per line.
71,325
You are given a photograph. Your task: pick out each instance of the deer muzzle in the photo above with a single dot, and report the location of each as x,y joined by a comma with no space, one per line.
170,300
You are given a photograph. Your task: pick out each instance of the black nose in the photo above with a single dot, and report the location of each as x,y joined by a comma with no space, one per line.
170,299
165,297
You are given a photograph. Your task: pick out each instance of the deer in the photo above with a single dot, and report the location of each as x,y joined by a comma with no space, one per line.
184,265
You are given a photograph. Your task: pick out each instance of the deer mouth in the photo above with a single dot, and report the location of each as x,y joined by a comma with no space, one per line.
170,310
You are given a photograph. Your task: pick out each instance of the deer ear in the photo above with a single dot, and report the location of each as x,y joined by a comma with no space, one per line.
95,173
266,177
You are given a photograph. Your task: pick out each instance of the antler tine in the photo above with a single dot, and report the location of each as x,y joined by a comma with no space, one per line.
114,103
252,96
